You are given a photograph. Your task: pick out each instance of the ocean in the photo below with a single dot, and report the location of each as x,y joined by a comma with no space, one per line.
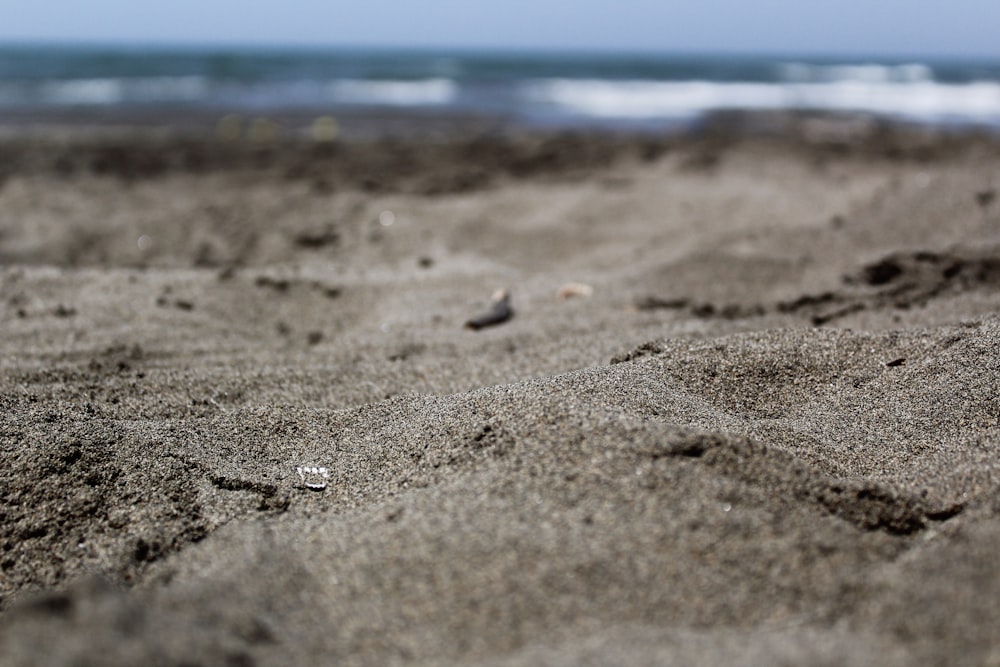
535,89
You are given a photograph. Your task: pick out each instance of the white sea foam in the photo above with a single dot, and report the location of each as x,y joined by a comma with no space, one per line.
82,91
924,101
650,99
423,92
918,100
108,91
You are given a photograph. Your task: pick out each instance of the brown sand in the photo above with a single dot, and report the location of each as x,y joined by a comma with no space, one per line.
770,436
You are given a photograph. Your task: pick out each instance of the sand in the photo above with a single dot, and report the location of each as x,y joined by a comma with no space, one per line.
768,436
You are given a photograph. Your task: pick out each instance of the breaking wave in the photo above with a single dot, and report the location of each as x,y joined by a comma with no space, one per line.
917,99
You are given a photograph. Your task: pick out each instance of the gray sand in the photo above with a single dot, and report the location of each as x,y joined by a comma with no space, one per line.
769,437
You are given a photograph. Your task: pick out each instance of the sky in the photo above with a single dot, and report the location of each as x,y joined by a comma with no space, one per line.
960,28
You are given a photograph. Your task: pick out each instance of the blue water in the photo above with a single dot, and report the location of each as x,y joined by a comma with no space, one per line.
548,88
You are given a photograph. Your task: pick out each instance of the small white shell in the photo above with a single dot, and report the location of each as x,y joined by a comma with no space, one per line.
313,477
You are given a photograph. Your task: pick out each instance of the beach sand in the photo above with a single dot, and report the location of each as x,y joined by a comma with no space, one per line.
768,436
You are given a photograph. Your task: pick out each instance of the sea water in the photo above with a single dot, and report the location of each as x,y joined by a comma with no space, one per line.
552,89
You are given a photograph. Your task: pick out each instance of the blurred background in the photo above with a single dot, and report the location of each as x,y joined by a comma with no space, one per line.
622,64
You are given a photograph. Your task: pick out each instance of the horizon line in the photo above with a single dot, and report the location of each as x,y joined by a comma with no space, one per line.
491,49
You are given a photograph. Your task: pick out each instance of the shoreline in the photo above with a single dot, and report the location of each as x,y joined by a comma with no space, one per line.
415,124
437,153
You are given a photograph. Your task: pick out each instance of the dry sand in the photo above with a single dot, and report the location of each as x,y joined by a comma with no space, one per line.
770,435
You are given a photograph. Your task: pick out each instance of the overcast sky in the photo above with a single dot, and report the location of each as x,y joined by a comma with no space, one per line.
836,27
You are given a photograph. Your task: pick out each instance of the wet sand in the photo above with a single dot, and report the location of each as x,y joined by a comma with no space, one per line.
768,436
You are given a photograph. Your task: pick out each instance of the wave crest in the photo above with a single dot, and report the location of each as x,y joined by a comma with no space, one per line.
923,100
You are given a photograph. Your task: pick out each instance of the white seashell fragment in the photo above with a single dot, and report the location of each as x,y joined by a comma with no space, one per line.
570,290
313,477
